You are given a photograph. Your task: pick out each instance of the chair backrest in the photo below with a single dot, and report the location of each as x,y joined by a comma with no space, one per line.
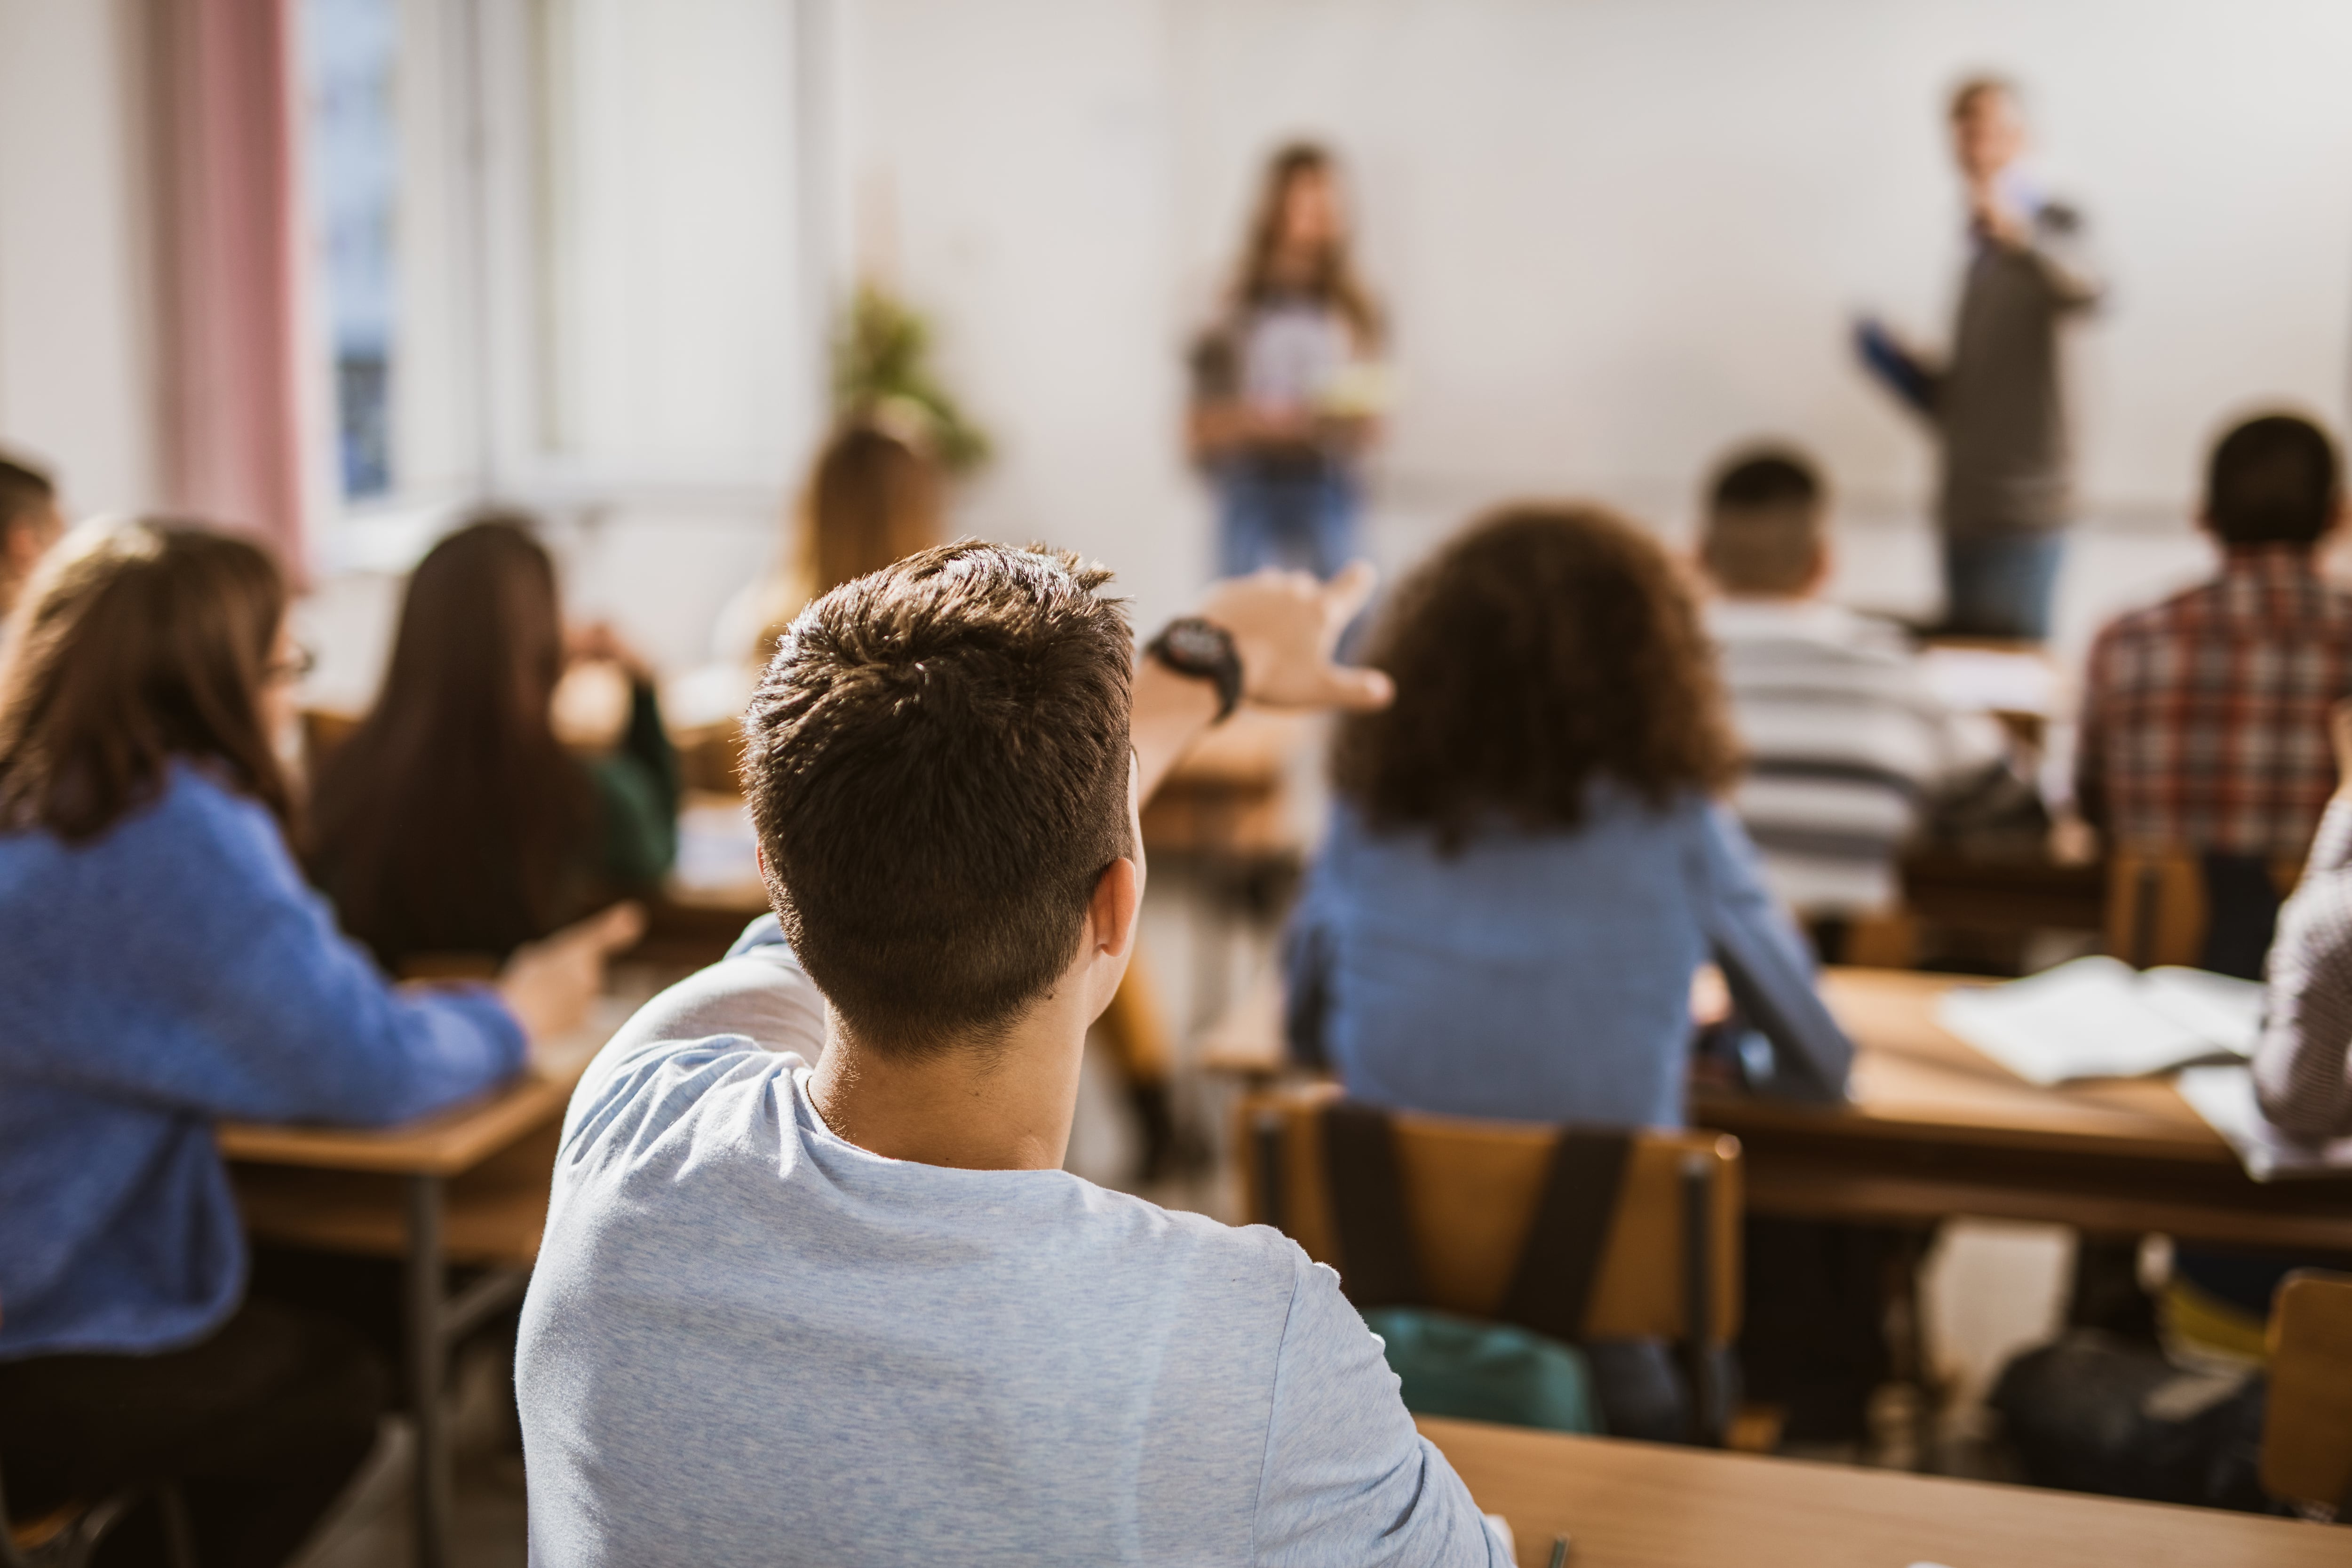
2307,1422
2209,911
1667,1265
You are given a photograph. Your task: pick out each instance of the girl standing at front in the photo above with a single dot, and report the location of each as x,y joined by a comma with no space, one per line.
1286,386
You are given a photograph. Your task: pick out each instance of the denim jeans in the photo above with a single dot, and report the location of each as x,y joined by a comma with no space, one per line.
1278,515
2001,586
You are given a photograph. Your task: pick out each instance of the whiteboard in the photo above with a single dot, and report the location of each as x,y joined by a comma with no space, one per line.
1616,235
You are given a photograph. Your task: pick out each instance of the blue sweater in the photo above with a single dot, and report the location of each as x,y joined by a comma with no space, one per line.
1546,976
174,971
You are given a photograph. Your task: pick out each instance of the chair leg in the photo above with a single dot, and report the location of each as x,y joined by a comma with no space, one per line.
179,1536
1699,1300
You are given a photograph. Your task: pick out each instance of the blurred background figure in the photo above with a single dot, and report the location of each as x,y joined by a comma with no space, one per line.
1997,402
29,524
1285,388
874,496
1843,738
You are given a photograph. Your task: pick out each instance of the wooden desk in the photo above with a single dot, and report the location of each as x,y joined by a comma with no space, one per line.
469,1185
1935,1129
1641,1505
1228,796
1996,893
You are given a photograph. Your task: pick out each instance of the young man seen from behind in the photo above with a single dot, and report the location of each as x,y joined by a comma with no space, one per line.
1844,737
856,1313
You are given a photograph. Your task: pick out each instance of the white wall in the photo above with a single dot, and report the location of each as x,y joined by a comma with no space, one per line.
1621,234
1025,147
1615,235
76,330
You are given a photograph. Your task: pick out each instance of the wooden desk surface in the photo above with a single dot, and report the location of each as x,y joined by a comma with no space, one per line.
1912,1078
443,1144
1641,1505
1936,1128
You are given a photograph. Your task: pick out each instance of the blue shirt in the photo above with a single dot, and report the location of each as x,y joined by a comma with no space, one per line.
175,971
1546,976
749,1342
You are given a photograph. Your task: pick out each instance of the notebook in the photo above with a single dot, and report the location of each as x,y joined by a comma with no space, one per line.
2099,1018
2224,1097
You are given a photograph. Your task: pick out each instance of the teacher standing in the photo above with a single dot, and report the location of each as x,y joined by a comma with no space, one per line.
1286,386
1998,403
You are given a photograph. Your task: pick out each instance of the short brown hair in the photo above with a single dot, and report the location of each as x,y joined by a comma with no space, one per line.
1541,648
23,489
937,762
2272,481
142,641
1763,532
1963,102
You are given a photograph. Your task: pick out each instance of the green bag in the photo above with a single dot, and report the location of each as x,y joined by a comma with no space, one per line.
1478,1371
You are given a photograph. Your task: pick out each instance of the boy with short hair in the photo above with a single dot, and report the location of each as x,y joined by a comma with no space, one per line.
1845,739
855,1312
2204,723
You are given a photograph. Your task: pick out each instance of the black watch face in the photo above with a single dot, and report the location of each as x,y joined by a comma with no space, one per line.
1196,647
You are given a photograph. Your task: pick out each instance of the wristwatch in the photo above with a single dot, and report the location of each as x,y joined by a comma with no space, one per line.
1204,651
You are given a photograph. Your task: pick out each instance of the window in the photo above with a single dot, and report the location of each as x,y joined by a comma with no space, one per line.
348,48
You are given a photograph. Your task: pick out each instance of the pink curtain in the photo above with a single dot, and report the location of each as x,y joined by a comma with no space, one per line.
228,264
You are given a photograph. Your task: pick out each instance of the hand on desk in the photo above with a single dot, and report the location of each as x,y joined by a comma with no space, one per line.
548,984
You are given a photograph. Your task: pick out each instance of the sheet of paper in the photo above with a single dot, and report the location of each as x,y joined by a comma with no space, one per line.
2091,1018
2224,1097
717,847
2220,1007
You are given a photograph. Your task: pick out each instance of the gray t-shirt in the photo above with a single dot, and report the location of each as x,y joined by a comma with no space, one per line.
749,1342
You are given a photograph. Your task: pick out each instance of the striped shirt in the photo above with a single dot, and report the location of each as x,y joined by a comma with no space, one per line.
2302,1066
2205,717
1844,741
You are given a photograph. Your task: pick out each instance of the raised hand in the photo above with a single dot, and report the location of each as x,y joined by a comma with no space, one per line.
1285,626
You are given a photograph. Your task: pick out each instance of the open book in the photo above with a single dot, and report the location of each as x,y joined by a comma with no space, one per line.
2224,1097
2099,1018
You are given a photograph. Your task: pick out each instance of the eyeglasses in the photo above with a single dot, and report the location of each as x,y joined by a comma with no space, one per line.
296,666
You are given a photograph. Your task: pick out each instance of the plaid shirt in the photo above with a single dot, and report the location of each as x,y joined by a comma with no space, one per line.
2205,719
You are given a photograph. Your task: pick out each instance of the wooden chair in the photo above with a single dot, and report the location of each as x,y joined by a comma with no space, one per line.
1664,1259
2161,903
2307,1424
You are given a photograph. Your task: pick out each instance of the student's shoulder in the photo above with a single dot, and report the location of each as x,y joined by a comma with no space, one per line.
657,1073
197,829
1242,1260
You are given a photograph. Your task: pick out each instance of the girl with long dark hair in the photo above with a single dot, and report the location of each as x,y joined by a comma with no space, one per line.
454,820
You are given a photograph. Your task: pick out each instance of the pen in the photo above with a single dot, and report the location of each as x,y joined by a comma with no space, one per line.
1559,1544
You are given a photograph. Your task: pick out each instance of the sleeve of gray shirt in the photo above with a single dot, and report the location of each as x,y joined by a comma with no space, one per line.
758,991
1348,1479
2302,1063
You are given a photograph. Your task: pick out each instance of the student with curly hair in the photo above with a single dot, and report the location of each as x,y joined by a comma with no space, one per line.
1527,861
1527,864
